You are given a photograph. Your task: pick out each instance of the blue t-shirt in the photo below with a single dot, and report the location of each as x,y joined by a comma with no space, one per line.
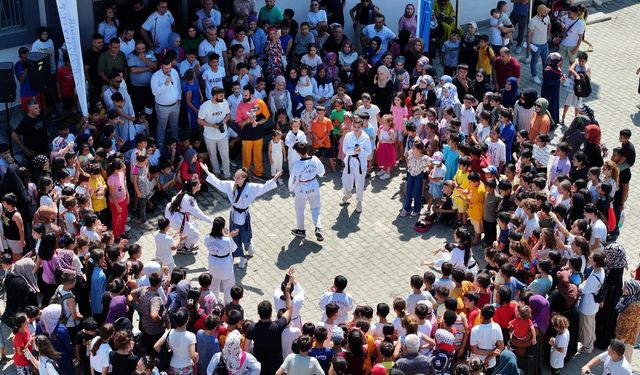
450,161
507,134
323,356
207,346
515,285
371,132
503,237
25,87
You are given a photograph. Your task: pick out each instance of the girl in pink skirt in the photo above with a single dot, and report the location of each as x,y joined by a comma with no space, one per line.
386,151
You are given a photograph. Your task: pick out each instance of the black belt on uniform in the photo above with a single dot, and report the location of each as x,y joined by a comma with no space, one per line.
168,105
220,256
349,163
307,180
241,210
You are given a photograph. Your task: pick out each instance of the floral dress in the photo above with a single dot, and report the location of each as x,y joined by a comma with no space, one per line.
273,60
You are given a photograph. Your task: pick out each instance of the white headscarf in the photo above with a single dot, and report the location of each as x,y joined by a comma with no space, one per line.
386,76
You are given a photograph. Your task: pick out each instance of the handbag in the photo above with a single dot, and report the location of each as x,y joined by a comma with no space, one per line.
164,357
611,219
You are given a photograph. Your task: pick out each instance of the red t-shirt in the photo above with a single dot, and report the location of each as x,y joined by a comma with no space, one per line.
504,314
20,340
66,82
521,327
504,71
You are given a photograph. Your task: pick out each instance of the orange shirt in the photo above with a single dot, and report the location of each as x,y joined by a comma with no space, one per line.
321,129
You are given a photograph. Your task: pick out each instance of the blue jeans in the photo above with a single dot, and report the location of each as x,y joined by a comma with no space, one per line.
542,52
414,192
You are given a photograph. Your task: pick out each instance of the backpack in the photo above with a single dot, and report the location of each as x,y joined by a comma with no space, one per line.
582,85
599,296
442,361
59,299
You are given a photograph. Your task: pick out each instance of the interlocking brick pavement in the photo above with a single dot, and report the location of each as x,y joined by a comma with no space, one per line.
377,250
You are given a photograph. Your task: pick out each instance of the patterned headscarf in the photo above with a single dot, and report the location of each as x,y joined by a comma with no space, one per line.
632,289
50,318
232,352
65,262
39,161
452,99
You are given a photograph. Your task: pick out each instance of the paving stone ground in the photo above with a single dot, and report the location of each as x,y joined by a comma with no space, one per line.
377,250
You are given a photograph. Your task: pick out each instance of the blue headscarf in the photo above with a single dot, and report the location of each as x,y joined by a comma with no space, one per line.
509,97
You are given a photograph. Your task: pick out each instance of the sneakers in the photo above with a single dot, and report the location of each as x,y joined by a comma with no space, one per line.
525,60
250,251
424,211
536,80
404,213
345,200
243,263
414,213
299,232
518,49
359,207
319,235
384,176
187,250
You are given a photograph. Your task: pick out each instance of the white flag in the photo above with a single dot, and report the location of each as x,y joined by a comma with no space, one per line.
68,11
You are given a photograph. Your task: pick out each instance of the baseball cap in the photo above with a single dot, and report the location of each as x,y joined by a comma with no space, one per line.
543,9
429,305
337,336
437,158
490,169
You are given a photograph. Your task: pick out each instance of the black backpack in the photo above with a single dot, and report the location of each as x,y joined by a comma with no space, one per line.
602,292
582,85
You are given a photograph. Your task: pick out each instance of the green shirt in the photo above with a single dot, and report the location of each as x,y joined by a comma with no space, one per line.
339,115
273,16
106,63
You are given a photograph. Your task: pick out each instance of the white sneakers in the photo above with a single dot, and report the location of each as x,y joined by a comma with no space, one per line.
359,207
383,175
536,80
243,263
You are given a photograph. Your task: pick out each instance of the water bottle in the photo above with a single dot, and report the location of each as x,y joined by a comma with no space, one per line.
621,221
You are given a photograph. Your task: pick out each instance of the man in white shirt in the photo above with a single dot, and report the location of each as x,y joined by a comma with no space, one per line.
574,28
337,295
537,36
208,11
486,338
380,30
191,62
165,86
213,116
212,44
588,307
158,26
212,74
371,109
614,360
234,99
127,44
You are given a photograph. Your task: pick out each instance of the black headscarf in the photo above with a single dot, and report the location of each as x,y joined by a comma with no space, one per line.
530,96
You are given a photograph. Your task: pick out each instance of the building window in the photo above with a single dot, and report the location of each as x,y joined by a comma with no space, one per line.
10,14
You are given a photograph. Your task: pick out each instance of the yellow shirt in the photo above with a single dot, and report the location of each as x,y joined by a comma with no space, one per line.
485,57
462,179
458,293
476,202
95,184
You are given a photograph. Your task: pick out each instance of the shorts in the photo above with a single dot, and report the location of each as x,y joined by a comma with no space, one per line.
326,152
460,205
14,245
435,190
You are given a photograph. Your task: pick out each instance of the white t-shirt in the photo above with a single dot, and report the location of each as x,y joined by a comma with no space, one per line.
557,358
539,28
485,337
214,113
343,300
373,115
220,48
160,28
614,368
413,299
212,79
69,221
589,289
467,117
287,337
497,152
530,225
179,342
599,231
482,132
101,359
301,365
426,330
573,33
163,247
47,366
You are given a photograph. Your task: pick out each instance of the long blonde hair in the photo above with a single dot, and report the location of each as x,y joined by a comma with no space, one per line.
615,171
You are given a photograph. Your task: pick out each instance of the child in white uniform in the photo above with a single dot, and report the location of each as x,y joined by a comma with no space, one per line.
181,211
294,136
356,147
304,183
220,246
277,154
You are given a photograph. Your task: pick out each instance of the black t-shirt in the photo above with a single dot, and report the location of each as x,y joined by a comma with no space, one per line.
90,59
34,134
332,45
623,179
267,343
629,153
83,340
122,364
506,205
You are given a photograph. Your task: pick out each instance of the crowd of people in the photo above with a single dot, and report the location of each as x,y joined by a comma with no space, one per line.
172,107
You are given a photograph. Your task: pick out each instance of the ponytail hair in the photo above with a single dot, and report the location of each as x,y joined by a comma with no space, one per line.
187,188
106,331
217,228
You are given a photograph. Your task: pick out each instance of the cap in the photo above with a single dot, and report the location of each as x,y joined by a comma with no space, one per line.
543,9
337,336
437,158
412,343
429,305
490,169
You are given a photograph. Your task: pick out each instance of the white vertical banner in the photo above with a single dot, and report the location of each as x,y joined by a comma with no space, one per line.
68,11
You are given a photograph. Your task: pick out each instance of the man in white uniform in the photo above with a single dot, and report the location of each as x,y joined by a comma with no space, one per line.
214,116
303,181
356,147
156,29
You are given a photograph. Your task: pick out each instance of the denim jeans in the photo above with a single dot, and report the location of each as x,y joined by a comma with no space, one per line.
414,192
543,53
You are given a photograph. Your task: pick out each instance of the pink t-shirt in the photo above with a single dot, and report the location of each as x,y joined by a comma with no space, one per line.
399,115
117,186
49,270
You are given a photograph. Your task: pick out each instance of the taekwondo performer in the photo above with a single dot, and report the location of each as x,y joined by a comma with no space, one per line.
303,182
356,147
294,136
220,245
241,193
181,211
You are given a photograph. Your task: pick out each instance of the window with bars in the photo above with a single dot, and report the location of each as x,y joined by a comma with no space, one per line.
11,14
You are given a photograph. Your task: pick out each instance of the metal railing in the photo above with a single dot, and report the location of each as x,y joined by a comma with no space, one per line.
11,14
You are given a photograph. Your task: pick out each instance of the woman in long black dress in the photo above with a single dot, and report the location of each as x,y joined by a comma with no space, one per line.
607,316
552,77
382,93
468,44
